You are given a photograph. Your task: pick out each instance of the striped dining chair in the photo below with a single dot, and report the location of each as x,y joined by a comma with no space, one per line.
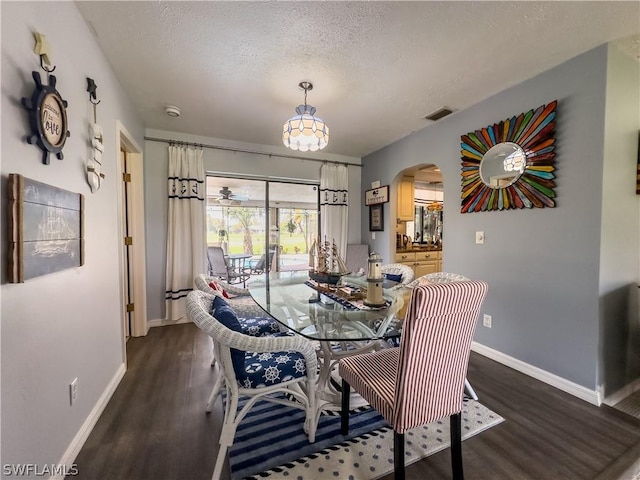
422,380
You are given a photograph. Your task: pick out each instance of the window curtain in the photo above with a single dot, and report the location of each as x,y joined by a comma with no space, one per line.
186,228
334,205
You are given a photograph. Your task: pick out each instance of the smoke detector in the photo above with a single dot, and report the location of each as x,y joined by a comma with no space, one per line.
172,111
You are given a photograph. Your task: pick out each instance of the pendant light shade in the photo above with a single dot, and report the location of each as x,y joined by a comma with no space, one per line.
305,132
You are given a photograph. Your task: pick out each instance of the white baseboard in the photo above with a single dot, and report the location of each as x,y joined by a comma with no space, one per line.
583,393
86,428
163,322
624,392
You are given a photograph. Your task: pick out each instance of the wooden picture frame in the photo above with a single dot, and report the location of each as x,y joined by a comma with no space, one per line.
46,229
376,218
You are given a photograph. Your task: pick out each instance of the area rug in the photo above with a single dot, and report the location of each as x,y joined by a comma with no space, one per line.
270,443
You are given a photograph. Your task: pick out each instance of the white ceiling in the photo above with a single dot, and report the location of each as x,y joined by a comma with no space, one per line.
378,68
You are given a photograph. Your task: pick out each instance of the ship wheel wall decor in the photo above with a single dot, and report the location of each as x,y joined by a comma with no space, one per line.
48,117
510,164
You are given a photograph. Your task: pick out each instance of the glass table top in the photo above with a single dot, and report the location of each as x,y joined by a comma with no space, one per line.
320,316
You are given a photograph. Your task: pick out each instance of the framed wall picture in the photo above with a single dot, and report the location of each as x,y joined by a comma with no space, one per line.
46,229
376,218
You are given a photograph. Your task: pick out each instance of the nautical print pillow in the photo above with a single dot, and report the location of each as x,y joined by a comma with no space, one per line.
225,315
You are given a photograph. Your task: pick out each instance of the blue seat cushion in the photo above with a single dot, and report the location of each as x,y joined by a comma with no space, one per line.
393,341
225,315
393,277
263,369
259,327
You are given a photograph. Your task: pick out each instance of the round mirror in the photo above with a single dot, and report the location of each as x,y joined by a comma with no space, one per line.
502,165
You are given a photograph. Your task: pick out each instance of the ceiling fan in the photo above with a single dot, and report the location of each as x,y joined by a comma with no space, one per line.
226,197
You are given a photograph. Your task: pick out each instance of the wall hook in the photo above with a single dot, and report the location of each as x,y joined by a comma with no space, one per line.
91,88
46,68
94,164
43,50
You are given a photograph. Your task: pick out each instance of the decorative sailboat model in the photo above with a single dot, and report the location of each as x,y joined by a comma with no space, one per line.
325,264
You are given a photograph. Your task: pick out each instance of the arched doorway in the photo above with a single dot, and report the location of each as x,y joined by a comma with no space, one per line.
420,222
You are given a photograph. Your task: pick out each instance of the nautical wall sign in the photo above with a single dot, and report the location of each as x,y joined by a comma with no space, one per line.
48,118
376,195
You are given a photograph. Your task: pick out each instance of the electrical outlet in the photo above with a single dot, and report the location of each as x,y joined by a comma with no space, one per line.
373,235
486,320
479,237
73,391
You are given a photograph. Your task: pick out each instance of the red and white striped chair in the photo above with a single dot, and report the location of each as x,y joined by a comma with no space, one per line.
444,277
422,380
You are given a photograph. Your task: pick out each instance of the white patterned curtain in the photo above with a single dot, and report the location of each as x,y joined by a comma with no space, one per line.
334,205
186,231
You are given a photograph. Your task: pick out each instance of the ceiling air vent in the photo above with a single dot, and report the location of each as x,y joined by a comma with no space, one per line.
440,113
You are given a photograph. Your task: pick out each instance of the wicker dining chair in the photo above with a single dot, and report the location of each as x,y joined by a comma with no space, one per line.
399,272
270,368
437,277
240,298
422,380
253,319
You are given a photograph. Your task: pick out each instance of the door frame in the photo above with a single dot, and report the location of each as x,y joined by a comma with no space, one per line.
137,253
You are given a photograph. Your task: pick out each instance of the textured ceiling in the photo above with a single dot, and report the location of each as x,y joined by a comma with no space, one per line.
378,68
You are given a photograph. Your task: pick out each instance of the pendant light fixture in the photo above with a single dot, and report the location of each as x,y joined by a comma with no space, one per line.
305,131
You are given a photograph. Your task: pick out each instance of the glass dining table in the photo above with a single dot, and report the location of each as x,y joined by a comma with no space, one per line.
339,321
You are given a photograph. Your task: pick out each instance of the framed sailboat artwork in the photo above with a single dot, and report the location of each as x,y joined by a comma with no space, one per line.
46,229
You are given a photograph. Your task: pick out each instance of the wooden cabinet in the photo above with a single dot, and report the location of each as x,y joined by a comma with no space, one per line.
406,208
422,263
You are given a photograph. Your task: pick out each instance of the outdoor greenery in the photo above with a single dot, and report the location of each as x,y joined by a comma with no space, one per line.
241,229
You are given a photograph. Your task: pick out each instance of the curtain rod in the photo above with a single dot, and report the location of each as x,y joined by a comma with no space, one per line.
230,149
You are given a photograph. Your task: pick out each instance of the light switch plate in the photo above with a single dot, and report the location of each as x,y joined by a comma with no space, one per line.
479,237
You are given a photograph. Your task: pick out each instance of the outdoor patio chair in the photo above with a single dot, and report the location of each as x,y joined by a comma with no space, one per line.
270,368
422,380
219,266
261,265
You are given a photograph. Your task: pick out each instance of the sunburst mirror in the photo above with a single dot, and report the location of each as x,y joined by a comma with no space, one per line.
510,164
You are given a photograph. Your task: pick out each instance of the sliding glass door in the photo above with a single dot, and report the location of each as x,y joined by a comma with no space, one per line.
247,217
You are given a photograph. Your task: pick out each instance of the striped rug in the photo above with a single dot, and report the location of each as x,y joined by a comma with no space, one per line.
270,443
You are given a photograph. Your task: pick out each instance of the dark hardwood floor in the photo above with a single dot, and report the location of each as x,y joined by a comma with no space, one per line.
155,427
